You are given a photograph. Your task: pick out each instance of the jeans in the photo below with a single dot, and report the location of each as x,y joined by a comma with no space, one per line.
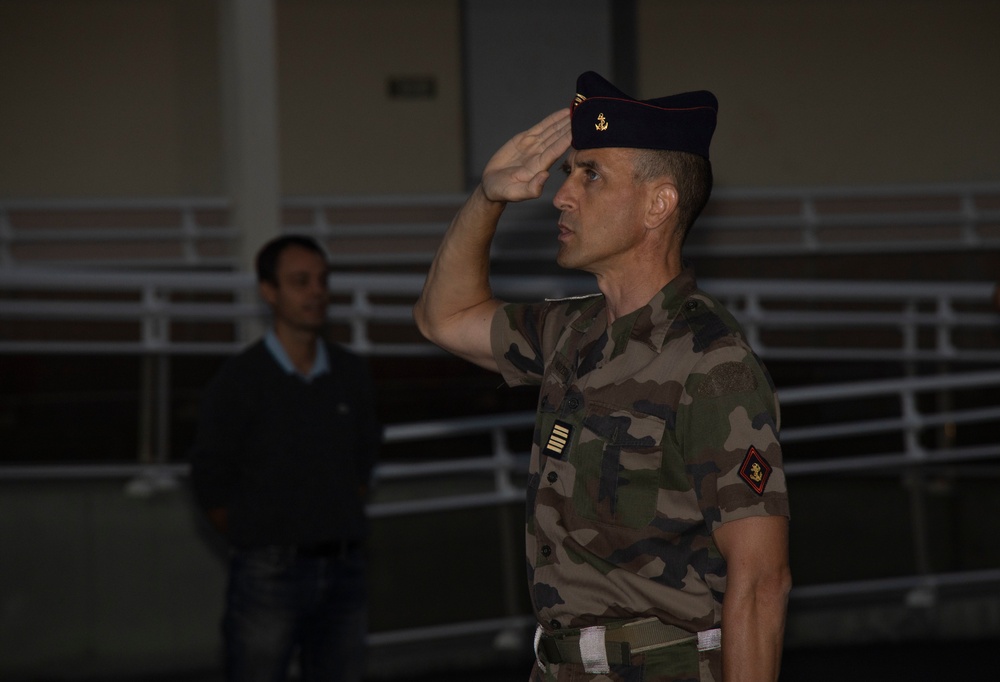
280,600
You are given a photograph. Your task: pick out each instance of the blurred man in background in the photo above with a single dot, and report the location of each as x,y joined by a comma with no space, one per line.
281,463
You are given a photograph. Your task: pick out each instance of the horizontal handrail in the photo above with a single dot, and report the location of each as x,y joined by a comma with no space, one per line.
155,300
150,479
952,323
500,424
762,305
783,221
918,590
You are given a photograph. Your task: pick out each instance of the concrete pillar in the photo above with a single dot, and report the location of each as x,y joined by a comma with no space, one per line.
250,116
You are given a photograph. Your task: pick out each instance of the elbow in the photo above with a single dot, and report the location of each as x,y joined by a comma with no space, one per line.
783,584
771,589
422,321
418,318
777,589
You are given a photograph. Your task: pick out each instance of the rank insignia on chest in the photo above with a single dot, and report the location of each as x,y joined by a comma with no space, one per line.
558,439
755,471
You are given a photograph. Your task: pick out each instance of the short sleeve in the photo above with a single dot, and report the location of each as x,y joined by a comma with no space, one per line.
516,338
729,421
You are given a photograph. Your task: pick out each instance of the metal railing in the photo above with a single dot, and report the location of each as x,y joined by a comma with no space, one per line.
504,466
785,320
948,325
820,321
194,232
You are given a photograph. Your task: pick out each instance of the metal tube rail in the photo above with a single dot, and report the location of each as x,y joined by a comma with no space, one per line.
408,432
918,590
789,221
916,310
763,306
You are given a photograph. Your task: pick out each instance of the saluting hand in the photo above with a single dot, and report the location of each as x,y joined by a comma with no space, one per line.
519,169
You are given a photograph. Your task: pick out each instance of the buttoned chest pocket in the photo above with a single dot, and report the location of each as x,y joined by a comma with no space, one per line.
617,458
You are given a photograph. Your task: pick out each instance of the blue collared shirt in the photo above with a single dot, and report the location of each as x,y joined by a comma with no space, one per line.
321,365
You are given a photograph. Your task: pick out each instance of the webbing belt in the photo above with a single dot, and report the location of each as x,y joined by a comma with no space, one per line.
596,648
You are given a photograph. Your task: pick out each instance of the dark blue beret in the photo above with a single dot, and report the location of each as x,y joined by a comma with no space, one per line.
604,116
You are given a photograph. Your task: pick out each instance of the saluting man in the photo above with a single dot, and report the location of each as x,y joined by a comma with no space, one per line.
657,512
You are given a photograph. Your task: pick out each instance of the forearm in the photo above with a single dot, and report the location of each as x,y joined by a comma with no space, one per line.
753,626
456,308
456,305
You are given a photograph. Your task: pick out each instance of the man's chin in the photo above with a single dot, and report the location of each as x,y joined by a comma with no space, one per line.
567,262
564,260
313,327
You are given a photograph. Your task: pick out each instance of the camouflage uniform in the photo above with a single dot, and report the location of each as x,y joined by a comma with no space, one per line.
650,434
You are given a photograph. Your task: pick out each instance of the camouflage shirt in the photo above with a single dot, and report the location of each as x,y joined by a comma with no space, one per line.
650,434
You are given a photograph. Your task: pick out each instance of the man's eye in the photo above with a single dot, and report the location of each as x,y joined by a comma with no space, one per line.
591,174
566,168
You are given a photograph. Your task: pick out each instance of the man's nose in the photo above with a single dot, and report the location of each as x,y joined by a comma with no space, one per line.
318,286
563,198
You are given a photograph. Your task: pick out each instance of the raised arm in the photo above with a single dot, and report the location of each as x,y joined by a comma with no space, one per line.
456,307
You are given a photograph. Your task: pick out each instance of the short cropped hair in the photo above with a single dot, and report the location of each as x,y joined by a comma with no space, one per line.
268,255
691,173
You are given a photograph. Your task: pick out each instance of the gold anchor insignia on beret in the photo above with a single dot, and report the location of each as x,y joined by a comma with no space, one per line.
602,123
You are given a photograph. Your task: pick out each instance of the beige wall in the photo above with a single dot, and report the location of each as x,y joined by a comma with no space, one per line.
108,98
121,97
841,92
340,132
112,98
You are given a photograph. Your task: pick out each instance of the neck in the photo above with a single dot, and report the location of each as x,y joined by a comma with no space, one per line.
632,288
300,344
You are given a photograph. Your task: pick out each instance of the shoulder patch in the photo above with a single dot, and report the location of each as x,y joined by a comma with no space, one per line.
755,471
729,377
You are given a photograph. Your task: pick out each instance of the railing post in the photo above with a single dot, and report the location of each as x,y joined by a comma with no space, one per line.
914,479
154,409
152,337
154,431
146,409
163,398
360,312
945,319
154,396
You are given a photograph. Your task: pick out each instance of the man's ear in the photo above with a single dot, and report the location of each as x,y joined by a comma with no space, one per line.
268,292
662,205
